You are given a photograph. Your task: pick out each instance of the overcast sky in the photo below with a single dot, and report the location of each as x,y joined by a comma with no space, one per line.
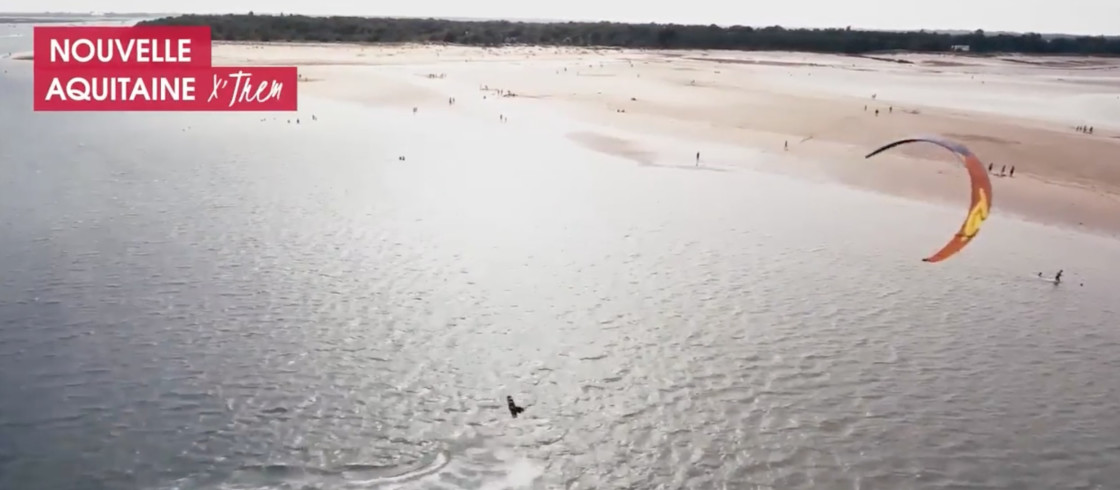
1066,16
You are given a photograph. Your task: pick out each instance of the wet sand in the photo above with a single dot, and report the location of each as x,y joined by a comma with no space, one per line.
663,107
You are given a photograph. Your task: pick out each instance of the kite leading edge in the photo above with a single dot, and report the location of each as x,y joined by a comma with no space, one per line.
981,204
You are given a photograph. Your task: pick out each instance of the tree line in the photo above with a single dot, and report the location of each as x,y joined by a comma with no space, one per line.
300,28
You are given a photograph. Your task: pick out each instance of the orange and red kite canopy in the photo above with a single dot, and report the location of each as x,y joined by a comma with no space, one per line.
981,193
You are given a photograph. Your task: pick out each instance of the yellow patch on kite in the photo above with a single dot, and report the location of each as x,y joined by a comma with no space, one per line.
976,216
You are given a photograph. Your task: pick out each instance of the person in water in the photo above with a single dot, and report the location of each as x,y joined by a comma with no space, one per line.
1058,276
514,410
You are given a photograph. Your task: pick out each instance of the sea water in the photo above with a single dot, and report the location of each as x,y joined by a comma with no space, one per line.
221,301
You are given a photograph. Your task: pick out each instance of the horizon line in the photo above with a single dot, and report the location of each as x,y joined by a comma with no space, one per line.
95,14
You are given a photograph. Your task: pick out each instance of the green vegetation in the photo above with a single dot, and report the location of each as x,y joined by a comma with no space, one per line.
606,34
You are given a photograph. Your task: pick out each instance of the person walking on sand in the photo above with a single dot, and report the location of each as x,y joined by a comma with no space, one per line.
1012,174
1002,170
787,145
990,167
697,159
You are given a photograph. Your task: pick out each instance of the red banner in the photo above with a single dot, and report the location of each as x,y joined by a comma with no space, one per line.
149,69
221,88
122,47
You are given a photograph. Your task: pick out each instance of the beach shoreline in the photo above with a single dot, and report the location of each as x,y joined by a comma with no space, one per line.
822,105
1012,110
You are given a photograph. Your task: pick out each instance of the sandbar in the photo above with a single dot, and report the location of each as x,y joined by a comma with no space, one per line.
1011,110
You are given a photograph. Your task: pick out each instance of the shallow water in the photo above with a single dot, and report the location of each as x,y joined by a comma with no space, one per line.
212,301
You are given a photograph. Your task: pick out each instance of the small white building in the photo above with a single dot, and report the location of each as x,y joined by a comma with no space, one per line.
960,47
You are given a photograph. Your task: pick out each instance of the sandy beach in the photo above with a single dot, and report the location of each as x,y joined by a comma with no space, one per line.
664,107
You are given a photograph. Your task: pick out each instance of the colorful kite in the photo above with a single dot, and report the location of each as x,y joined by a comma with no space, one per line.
981,193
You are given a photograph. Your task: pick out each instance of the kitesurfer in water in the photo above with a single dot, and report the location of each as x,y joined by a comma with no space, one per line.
1058,277
513,408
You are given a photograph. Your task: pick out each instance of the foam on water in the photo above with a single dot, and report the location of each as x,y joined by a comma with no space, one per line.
470,468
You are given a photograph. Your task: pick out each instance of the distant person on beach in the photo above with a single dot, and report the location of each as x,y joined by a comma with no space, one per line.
990,167
1090,130
787,145
697,159
1012,174
1002,170
1058,276
876,112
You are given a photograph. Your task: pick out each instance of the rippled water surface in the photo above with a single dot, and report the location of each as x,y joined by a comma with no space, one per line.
212,301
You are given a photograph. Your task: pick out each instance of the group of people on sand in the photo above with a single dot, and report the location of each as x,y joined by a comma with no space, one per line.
453,101
501,92
890,110
1002,170
313,118
1085,129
